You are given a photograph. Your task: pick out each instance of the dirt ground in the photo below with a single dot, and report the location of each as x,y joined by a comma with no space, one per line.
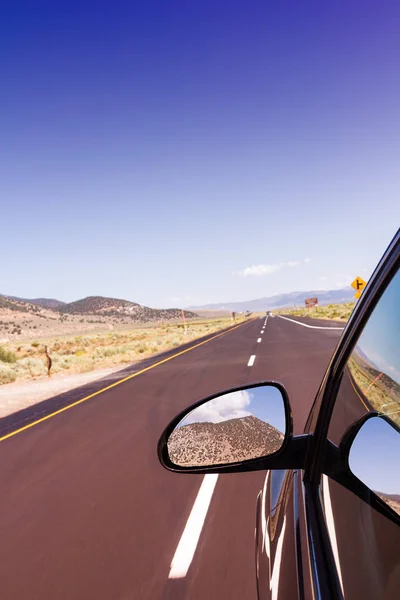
18,395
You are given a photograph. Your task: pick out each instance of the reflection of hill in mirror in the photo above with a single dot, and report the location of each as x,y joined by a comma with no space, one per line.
378,388
201,444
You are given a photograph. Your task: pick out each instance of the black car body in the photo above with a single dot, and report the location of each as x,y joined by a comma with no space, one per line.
324,528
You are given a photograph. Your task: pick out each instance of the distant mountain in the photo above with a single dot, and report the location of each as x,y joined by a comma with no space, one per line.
99,305
47,303
283,300
225,442
18,304
93,306
43,302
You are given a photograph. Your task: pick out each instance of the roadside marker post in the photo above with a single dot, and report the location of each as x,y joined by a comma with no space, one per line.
184,322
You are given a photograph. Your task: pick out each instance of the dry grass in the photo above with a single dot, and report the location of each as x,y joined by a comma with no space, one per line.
335,312
83,353
382,396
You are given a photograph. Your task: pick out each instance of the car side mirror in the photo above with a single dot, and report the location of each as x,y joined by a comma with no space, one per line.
374,458
240,429
366,463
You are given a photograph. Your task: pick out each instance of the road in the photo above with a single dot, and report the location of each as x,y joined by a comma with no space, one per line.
86,511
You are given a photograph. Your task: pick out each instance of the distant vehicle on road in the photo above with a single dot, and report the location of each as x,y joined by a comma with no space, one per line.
328,514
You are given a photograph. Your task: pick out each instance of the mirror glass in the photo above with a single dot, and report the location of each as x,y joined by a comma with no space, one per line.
375,458
240,425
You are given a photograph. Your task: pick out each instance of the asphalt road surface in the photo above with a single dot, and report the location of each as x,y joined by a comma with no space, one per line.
86,511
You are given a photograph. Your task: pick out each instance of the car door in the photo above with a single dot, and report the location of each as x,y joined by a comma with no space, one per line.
359,409
366,542
361,543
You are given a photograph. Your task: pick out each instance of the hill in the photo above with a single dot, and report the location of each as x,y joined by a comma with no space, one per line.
100,305
282,300
225,442
26,318
47,302
115,307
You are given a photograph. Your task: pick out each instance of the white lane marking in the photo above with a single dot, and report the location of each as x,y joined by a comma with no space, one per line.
251,360
259,340
331,526
188,543
274,582
309,326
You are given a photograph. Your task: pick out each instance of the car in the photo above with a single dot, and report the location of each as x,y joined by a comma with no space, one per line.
328,515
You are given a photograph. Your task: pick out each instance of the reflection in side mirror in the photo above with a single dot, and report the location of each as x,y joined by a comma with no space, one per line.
375,458
236,426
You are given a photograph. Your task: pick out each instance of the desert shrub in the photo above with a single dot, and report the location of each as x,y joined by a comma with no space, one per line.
7,356
35,344
7,376
80,352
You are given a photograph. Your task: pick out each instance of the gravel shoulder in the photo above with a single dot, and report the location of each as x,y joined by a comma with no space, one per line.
19,395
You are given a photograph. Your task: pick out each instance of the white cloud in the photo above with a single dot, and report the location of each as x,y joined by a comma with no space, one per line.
343,281
261,270
227,406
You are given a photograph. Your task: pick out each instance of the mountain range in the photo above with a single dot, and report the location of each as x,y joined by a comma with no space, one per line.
283,300
92,305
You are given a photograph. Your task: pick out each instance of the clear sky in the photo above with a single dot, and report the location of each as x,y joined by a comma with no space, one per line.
380,340
177,153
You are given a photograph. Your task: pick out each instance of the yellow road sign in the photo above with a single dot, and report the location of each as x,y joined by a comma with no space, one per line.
357,294
359,284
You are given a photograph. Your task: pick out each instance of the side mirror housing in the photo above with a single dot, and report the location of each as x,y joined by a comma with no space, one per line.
246,428
366,463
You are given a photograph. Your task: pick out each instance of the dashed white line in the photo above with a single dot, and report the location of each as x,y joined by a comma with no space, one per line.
188,543
259,340
251,360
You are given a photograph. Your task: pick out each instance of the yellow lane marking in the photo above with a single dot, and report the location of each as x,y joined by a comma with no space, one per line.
112,385
354,388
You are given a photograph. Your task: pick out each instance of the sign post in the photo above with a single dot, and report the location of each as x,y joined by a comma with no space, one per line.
184,322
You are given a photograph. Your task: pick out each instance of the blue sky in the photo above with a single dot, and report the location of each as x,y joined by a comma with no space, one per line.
380,339
374,456
157,151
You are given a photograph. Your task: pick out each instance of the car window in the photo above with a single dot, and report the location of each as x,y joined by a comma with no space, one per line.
365,542
371,379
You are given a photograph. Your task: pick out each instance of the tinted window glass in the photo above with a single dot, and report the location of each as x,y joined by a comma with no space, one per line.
371,381
366,543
